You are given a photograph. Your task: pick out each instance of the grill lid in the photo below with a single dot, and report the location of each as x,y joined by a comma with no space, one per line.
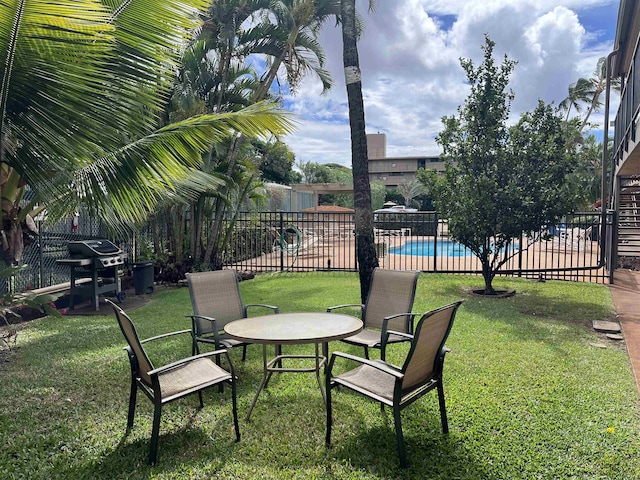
92,248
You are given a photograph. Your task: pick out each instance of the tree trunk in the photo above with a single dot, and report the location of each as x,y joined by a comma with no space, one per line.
365,248
212,252
488,275
592,106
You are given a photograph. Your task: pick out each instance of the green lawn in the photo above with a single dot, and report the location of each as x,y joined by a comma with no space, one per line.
530,395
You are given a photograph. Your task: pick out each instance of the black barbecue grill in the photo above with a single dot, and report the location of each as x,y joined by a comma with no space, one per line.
99,260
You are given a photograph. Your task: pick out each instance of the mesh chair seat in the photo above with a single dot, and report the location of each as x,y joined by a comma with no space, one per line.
372,338
193,375
369,379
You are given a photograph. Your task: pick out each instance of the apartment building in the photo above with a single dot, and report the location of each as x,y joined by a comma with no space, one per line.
395,170
624,63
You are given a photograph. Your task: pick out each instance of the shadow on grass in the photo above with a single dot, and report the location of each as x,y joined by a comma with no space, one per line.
191,445
430,453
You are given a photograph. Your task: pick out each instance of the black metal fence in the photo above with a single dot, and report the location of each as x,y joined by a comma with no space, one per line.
280,241
297,242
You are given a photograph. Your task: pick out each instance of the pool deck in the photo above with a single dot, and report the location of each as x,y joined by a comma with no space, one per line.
338,252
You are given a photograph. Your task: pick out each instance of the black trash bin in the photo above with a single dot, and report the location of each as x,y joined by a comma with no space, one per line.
143,277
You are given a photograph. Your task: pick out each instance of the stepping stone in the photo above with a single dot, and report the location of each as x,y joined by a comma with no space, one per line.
614,336
597,345
610,327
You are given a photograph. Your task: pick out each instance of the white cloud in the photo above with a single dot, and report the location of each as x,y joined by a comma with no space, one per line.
409,57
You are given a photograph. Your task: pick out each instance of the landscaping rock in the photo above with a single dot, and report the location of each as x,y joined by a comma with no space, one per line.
609,327
614,336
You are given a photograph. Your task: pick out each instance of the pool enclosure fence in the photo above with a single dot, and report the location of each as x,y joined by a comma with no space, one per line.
309,241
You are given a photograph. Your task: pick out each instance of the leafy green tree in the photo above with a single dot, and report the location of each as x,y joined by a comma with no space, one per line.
82,89
378,193
500,182
276,162
313,172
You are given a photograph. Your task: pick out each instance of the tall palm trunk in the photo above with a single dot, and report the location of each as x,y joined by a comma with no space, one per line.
592,107
365,248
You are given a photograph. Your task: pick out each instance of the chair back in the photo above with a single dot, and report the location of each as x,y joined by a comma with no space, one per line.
129,331
431,332
215,294
391,292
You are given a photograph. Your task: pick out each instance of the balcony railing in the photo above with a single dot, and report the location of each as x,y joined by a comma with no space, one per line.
625,130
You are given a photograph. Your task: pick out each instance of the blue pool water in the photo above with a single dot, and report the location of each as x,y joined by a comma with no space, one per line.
446,248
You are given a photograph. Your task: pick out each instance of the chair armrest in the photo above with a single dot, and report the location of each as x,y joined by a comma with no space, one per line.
384,335
203,317
439,365
184,361
214,328
164,335
361,306
272,307
382,366
409,325
408,336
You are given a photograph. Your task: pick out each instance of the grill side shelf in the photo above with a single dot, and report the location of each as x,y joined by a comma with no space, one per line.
75,262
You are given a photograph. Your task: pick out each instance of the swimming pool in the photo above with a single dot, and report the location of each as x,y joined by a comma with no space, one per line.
425,248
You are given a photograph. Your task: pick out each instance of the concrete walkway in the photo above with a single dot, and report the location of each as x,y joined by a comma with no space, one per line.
626,298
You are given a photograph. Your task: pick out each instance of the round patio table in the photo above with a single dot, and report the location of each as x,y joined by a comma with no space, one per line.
293,329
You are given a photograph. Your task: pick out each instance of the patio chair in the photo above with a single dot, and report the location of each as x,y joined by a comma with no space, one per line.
216,301
170,382
388,307
399,387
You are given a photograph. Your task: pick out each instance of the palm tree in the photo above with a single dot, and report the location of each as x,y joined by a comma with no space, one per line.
365,247
579,92
202,86
410,190
287,36
588,91
81,89
598,83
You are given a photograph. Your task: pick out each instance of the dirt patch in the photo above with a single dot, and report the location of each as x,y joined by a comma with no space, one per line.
479,292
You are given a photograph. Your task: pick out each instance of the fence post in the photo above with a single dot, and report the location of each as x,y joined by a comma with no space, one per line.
435,241
41,256
613,243
520,255
281,249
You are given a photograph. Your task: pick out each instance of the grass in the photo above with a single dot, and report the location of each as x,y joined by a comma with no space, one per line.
530,396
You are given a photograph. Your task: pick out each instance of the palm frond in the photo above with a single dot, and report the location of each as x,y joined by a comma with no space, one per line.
131,180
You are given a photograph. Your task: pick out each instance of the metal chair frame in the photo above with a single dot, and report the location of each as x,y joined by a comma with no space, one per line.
402,397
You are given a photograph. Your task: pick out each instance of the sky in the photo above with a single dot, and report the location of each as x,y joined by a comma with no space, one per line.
411,76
